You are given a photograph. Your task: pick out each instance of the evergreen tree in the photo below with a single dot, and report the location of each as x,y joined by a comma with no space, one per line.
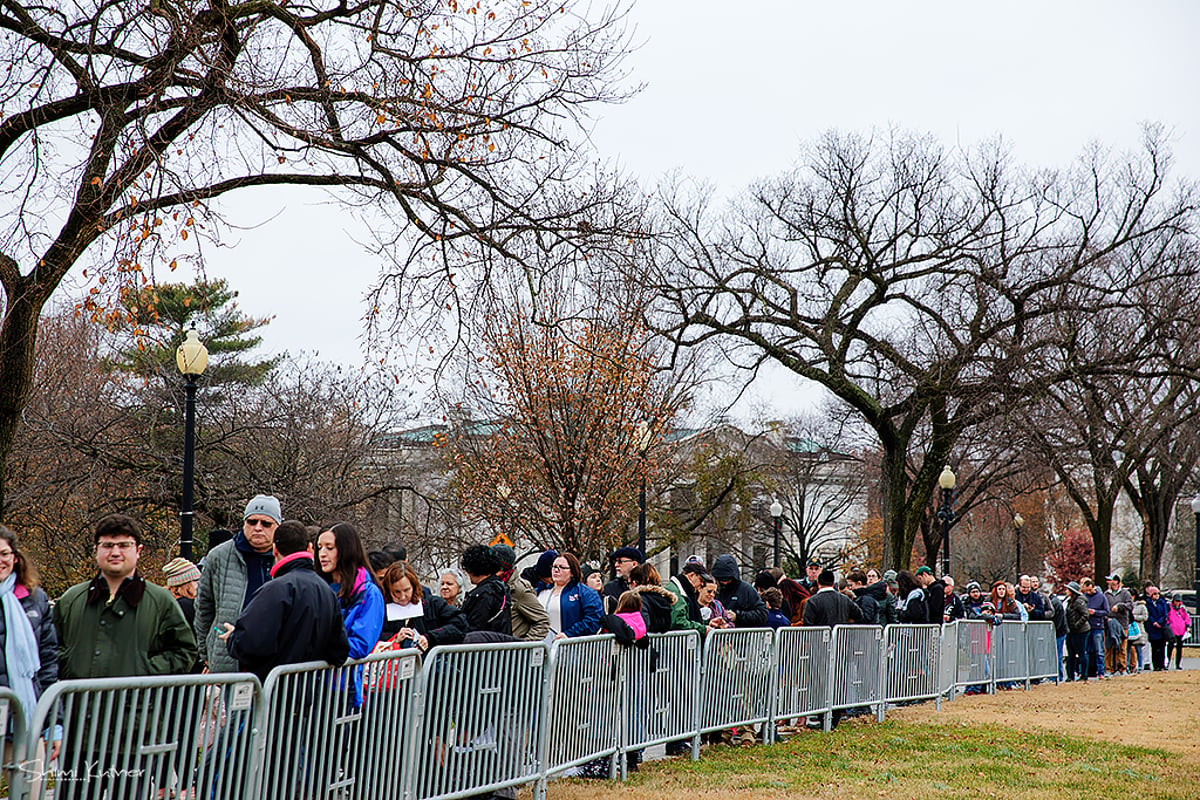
158,317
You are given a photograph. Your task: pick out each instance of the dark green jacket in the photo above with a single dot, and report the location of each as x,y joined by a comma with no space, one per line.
681,618
141,632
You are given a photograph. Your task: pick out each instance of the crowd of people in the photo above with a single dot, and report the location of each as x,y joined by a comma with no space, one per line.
282,592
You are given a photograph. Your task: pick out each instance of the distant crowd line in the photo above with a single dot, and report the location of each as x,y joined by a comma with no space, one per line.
282,592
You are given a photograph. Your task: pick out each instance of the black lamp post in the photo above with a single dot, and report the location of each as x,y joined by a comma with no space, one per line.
1196,577
643,444
946,514
191,358
1018,523
777,516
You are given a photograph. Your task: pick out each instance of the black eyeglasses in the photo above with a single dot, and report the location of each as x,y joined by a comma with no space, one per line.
266,523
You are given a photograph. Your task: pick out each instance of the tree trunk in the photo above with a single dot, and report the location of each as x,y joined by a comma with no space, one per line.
1101,530
18,333
1156,517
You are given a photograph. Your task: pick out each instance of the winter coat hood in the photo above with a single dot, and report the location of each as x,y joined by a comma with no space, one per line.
725,568
658,590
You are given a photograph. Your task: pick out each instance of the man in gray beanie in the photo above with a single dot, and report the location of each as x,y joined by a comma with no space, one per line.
232,573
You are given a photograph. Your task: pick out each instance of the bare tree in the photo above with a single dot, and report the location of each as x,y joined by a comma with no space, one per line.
912,283
125,123
1125,425
822,488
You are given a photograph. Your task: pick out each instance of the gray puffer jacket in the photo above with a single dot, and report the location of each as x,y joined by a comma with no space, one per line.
219,599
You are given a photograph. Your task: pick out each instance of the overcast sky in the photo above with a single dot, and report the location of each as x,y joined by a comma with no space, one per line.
730,95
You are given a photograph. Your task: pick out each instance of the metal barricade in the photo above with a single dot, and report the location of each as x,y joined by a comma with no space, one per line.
314,719
911,663
583,702
660,686
970,643
736,689
164,735
479,712
389,685
19,766
1193,633
1008,642
948,660
1041,660
802,660
856,667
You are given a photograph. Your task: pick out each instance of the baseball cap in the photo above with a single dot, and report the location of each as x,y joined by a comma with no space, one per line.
923,570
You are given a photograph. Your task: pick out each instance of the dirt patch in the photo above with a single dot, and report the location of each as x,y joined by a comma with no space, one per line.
1156,709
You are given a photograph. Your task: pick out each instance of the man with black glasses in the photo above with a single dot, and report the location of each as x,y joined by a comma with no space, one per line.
232,573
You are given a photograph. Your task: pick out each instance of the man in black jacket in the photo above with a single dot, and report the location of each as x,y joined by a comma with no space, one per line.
743,607
1035,605
935,595
829,607
293,617
624,559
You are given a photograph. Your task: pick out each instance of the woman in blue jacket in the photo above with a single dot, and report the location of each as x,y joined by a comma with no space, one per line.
574,607
1156,627
342,560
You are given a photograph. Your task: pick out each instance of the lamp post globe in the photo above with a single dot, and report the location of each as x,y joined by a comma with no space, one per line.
191,357
1018,523
776,510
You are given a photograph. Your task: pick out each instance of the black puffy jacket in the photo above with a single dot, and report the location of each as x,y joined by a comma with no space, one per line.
37,608
486,607
738,596
292,618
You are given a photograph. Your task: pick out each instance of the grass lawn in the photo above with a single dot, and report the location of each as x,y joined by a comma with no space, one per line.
909,759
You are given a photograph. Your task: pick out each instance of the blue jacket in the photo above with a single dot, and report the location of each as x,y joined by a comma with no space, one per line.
580,608
1156,625
363,618
1097,602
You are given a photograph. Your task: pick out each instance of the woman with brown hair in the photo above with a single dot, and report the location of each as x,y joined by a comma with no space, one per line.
342,560
416,615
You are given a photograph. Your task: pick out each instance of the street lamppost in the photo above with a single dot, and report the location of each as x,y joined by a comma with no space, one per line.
642,442
1018,523
191,358
776,515
502,491
946,514
1196,577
